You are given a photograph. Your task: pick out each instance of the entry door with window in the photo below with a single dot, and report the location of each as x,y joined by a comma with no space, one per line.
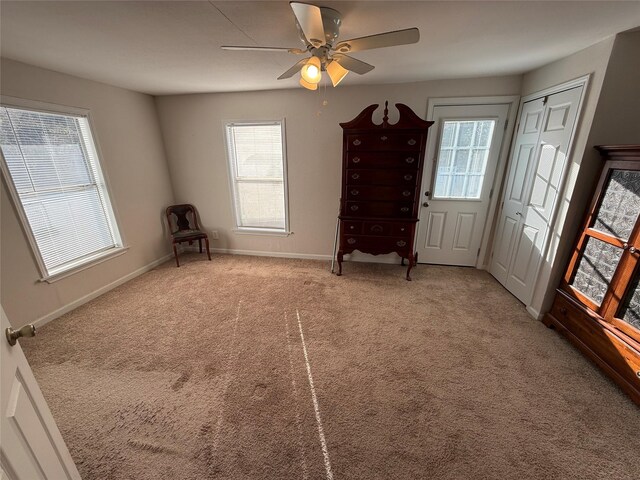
539,156
459,172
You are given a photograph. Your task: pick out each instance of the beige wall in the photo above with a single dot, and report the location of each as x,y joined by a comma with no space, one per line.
128,135
192,127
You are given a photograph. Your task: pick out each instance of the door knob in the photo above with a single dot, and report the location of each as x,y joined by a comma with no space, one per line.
13,335
425,204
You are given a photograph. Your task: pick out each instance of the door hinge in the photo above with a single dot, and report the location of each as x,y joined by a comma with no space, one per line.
505,125
478,254
490,194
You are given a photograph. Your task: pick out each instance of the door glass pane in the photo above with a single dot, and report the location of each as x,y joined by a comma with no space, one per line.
464,151
596,268
630,310
620,205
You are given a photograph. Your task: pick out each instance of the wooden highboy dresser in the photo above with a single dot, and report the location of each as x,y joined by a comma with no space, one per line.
381,177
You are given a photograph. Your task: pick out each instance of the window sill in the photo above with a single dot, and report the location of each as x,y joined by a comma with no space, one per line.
88,263
262,231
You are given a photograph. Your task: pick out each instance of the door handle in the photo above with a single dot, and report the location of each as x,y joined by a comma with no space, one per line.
28,330
425,204
519,214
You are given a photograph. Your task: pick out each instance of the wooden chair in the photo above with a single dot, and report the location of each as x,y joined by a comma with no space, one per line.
187,228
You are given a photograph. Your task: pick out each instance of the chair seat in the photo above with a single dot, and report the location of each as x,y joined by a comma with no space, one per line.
183,234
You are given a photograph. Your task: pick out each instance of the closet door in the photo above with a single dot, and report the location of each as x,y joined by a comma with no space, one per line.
534,180
605,271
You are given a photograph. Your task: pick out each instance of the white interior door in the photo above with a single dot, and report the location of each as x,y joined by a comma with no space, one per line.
458,181
31,447
535,175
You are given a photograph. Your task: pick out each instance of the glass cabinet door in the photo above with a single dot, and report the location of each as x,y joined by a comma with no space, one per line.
608,252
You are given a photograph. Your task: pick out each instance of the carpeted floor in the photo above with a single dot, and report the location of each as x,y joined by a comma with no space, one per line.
201,373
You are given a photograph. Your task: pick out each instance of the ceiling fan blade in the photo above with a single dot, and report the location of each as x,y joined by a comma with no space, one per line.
388,39
293,70
353,64
309,18
297,51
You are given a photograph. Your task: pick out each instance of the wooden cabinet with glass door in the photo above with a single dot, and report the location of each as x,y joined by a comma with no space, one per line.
597,306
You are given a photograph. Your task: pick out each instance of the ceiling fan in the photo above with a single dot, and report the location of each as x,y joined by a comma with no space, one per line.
318,29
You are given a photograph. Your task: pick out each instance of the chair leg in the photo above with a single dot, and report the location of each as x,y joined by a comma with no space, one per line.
200,244
206,241
175,252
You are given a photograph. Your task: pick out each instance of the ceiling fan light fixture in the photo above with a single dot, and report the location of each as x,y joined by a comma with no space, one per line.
311,71
307,85
336,72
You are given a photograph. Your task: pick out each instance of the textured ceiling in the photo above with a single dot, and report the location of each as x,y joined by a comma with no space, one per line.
174,47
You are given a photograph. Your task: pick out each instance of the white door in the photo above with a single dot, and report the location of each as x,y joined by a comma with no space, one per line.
457,182
535,175
31,447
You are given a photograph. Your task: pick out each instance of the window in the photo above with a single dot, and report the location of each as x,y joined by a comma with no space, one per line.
462,159
52,170
257,168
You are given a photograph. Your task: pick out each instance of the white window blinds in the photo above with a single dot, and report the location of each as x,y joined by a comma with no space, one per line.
257,170
54,170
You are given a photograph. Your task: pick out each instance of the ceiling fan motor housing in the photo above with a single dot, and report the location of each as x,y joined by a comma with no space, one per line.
331,21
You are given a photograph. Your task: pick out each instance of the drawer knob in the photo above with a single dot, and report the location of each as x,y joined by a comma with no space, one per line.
357,142
563,310
377,228
402,229
408,177
354,207
410,160
638,374
401,243
411,142
355,159
355,176
352,227
404,209
383,138
351,241
406,193
355,192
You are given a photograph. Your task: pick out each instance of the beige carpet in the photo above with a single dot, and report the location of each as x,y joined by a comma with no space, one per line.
200,373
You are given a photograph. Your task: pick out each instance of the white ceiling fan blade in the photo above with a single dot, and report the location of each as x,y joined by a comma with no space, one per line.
297,51
388,39
293,70
353,64
309,18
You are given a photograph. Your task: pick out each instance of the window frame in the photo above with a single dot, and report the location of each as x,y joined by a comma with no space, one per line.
88,261
231,168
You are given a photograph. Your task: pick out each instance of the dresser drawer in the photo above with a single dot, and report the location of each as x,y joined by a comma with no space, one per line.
381,177
397,229
378,209
376,244
384,141
365,192
405,160
603,342
352,228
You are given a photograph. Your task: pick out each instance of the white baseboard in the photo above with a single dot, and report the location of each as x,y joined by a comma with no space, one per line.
96,293
259,253
355,257
534,313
